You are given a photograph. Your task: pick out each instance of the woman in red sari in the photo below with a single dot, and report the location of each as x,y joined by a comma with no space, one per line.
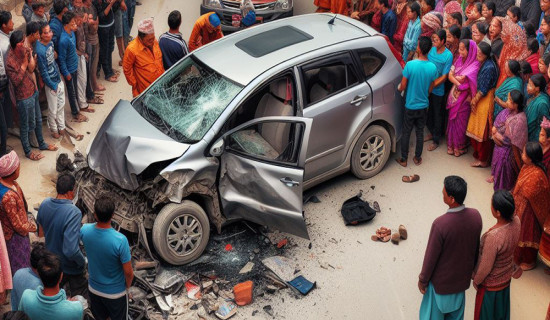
532,198
400,9
515,45
534,56
544,247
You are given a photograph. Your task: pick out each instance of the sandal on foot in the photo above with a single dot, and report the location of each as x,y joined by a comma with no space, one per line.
88,109
402,162
80,118
95,100
410,179
459,152
403,232
55,135
417,161
34,156
450,150
51,147
374,238
491,179
395,238
112,79
433,146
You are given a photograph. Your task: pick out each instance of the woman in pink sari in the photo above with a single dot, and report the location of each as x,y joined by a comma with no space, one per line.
5,269
463,76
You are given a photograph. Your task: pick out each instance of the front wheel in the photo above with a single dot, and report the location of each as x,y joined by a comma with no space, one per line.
371,152
181,232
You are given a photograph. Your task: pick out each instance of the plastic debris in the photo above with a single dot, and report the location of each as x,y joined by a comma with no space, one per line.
226,310
247,268
281,266
228,247
243,293
282,243
193,290
303,285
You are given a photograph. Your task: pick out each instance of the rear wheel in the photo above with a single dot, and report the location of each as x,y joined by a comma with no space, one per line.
181,232
371,152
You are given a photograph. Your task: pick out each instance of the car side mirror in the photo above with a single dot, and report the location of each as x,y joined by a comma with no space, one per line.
217,148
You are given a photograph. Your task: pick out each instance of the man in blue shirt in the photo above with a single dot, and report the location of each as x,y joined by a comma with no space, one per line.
443,60
389,19
110,265
59,222
50,302
59,7
27,278
418,78
171,43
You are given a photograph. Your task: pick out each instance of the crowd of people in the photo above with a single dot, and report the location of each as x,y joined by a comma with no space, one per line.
477,72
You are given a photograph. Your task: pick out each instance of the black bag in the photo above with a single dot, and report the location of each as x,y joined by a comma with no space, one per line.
356,211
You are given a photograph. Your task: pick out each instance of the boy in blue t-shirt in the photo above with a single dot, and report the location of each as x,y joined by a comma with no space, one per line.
109,263
418,79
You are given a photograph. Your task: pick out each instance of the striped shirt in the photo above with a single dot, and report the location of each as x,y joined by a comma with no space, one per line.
173,48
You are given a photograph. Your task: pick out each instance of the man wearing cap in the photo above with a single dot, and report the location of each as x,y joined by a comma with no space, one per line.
206,29
142,61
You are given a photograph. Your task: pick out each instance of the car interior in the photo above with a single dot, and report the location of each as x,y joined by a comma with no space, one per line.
326,80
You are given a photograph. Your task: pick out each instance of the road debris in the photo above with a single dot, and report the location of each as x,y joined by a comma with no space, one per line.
355,211
226,310
247,268
243,293
282,243
281,267
303,285
269,310
228,247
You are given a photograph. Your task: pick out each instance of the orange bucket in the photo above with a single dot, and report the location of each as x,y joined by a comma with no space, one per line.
243,293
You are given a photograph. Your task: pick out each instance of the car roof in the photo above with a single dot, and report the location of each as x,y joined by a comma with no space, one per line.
227,57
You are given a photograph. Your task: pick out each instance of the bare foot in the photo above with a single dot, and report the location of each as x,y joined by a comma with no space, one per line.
491,179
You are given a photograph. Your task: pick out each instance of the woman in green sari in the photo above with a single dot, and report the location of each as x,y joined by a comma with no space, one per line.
513,82
538,105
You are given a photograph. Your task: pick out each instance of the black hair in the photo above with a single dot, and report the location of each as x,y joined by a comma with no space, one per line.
482,27
38,249
533,150
42,26
49,270
67,17
458,17
491,6
442,35
16,37
466,43
5,17
174,19
533,45
516,11
37,5
456,187
465,33
479,7
539,81
525,68
430,3
546,59
425,44
485,48
65,183
15,315
546,19
104,208
514,67
455,31
530,29
32,27
517,98
59,6
503,202
415,7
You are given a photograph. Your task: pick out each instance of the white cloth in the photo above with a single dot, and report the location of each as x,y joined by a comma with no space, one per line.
56,107
82,80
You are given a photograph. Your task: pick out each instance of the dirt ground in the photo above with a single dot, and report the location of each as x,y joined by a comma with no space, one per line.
356,278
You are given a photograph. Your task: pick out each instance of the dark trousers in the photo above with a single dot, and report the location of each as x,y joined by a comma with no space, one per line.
106,48
89,90
114,309
72,87
75,285
6,104
413,119
435,117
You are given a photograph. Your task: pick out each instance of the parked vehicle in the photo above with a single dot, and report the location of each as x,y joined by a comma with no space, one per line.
266,11
240,127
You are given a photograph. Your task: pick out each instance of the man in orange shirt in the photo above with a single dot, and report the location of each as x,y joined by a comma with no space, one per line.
142,61
334,6
207,28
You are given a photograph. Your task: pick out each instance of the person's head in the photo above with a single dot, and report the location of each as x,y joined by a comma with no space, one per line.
9,164
424,45
32,31
46,33
174,20
29,2
545,25
413,10
488,10
525,70
17,39
37,252
544,5
65,185
530,29
427,6
454,18
454,190
454,34
503,205
39,8
463,48
6,22
544,135
214,23
146,32
514,13
494,29
512,68
536,84
475,13
483,52
439,38
543,66
77,3
104,208
465,33
479,30
532,154
60,7
515,101
49,270
69,21
533,45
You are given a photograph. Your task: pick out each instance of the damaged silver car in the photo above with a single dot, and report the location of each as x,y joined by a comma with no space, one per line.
240,127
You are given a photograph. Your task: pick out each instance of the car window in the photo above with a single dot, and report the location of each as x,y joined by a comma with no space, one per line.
186,101
372,62
270,140
326,80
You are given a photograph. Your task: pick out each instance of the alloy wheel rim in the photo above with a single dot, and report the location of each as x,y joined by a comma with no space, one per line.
372,153
184,235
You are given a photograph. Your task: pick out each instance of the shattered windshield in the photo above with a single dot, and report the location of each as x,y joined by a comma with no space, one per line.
186,101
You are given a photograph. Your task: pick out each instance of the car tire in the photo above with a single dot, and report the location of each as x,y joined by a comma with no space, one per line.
181,232
371,152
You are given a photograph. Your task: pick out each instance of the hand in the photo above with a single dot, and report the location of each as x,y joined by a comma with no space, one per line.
86,56
421,287
475,285
68,77
53,91
355,15
123,6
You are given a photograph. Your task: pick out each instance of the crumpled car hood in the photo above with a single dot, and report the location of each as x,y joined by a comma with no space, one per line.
126,144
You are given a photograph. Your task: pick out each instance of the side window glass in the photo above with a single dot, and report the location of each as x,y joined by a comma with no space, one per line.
324,81
271,140
372,62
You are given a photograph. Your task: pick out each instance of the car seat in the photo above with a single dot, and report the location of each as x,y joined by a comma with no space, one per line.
329,80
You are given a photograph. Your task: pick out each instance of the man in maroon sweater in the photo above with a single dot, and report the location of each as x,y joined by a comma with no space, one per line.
451,255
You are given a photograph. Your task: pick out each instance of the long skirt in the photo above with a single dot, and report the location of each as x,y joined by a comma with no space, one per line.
456,127
492,304
502,168
529,238
19,251
5,268
544,248
482,150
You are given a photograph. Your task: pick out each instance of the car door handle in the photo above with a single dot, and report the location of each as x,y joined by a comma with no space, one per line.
289,182
359,99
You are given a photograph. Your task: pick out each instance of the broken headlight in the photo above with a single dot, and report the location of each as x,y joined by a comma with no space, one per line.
283,5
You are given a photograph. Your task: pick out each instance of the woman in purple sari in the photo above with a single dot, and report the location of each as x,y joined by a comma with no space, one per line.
463,76
509,133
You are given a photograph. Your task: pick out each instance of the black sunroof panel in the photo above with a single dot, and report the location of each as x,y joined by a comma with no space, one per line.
272,40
